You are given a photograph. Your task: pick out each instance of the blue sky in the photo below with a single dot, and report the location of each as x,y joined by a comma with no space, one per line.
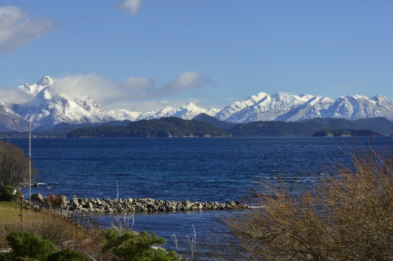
146,54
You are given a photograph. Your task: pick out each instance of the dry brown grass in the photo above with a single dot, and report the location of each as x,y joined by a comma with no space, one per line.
44,224
349,216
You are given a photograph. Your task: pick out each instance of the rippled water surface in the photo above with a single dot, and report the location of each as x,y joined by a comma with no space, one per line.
195,169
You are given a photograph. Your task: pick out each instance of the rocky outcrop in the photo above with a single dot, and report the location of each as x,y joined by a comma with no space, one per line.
145,205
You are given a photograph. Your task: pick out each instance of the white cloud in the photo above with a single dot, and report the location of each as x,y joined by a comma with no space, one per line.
131,6
149,105
17,28
109,92
13,95
187,80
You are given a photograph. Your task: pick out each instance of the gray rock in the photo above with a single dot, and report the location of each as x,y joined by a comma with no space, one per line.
231,203
37,197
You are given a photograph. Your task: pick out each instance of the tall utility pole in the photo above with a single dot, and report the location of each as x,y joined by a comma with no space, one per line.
30,163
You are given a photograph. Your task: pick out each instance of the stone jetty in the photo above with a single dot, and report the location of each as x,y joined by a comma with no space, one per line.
132,205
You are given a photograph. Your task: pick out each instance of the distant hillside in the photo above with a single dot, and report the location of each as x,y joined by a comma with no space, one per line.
345,133
309,127
165,127
62,129
213,121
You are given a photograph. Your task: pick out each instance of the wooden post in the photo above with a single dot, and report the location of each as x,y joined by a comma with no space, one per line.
21,207
30,163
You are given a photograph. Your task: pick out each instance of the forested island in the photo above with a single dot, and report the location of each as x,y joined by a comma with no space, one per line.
346,133
165,127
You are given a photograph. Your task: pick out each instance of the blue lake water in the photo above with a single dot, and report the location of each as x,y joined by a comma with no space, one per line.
195,169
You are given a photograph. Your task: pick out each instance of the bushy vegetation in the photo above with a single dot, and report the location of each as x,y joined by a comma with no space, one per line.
128,245
67,254
7,193
114,245
349,216
28,245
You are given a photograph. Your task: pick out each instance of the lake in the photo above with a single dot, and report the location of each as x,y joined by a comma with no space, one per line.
194,169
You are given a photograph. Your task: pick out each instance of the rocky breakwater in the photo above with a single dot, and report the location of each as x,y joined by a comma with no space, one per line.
145,205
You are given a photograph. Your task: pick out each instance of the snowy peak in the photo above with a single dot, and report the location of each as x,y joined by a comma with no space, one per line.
122,114
256,98
45,81
88,103
34,89
262,107
187,112
48,108
282,106
235,107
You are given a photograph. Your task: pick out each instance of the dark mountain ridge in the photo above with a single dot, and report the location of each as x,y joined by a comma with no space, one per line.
164,127
213,121
309,127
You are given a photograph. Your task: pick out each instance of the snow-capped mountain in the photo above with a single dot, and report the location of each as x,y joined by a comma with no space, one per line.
46,107
186,112
122,114
34,89
10,121
287,107
49,108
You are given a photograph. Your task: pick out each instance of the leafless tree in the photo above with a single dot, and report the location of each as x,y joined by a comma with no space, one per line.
14,165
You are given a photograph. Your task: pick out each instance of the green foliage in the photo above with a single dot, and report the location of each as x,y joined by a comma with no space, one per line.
132,246
28,245
6,193
67,255
165,127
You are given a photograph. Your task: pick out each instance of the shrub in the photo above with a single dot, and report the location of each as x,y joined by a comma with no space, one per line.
132,246
28,245
349,216
52,228
6,193
67,255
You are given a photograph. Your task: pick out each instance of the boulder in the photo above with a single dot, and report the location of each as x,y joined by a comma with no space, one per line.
74,202
37,197
231,203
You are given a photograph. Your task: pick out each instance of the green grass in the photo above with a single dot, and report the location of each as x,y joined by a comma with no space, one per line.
9,212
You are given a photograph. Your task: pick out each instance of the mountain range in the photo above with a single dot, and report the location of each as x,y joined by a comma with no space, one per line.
47,108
